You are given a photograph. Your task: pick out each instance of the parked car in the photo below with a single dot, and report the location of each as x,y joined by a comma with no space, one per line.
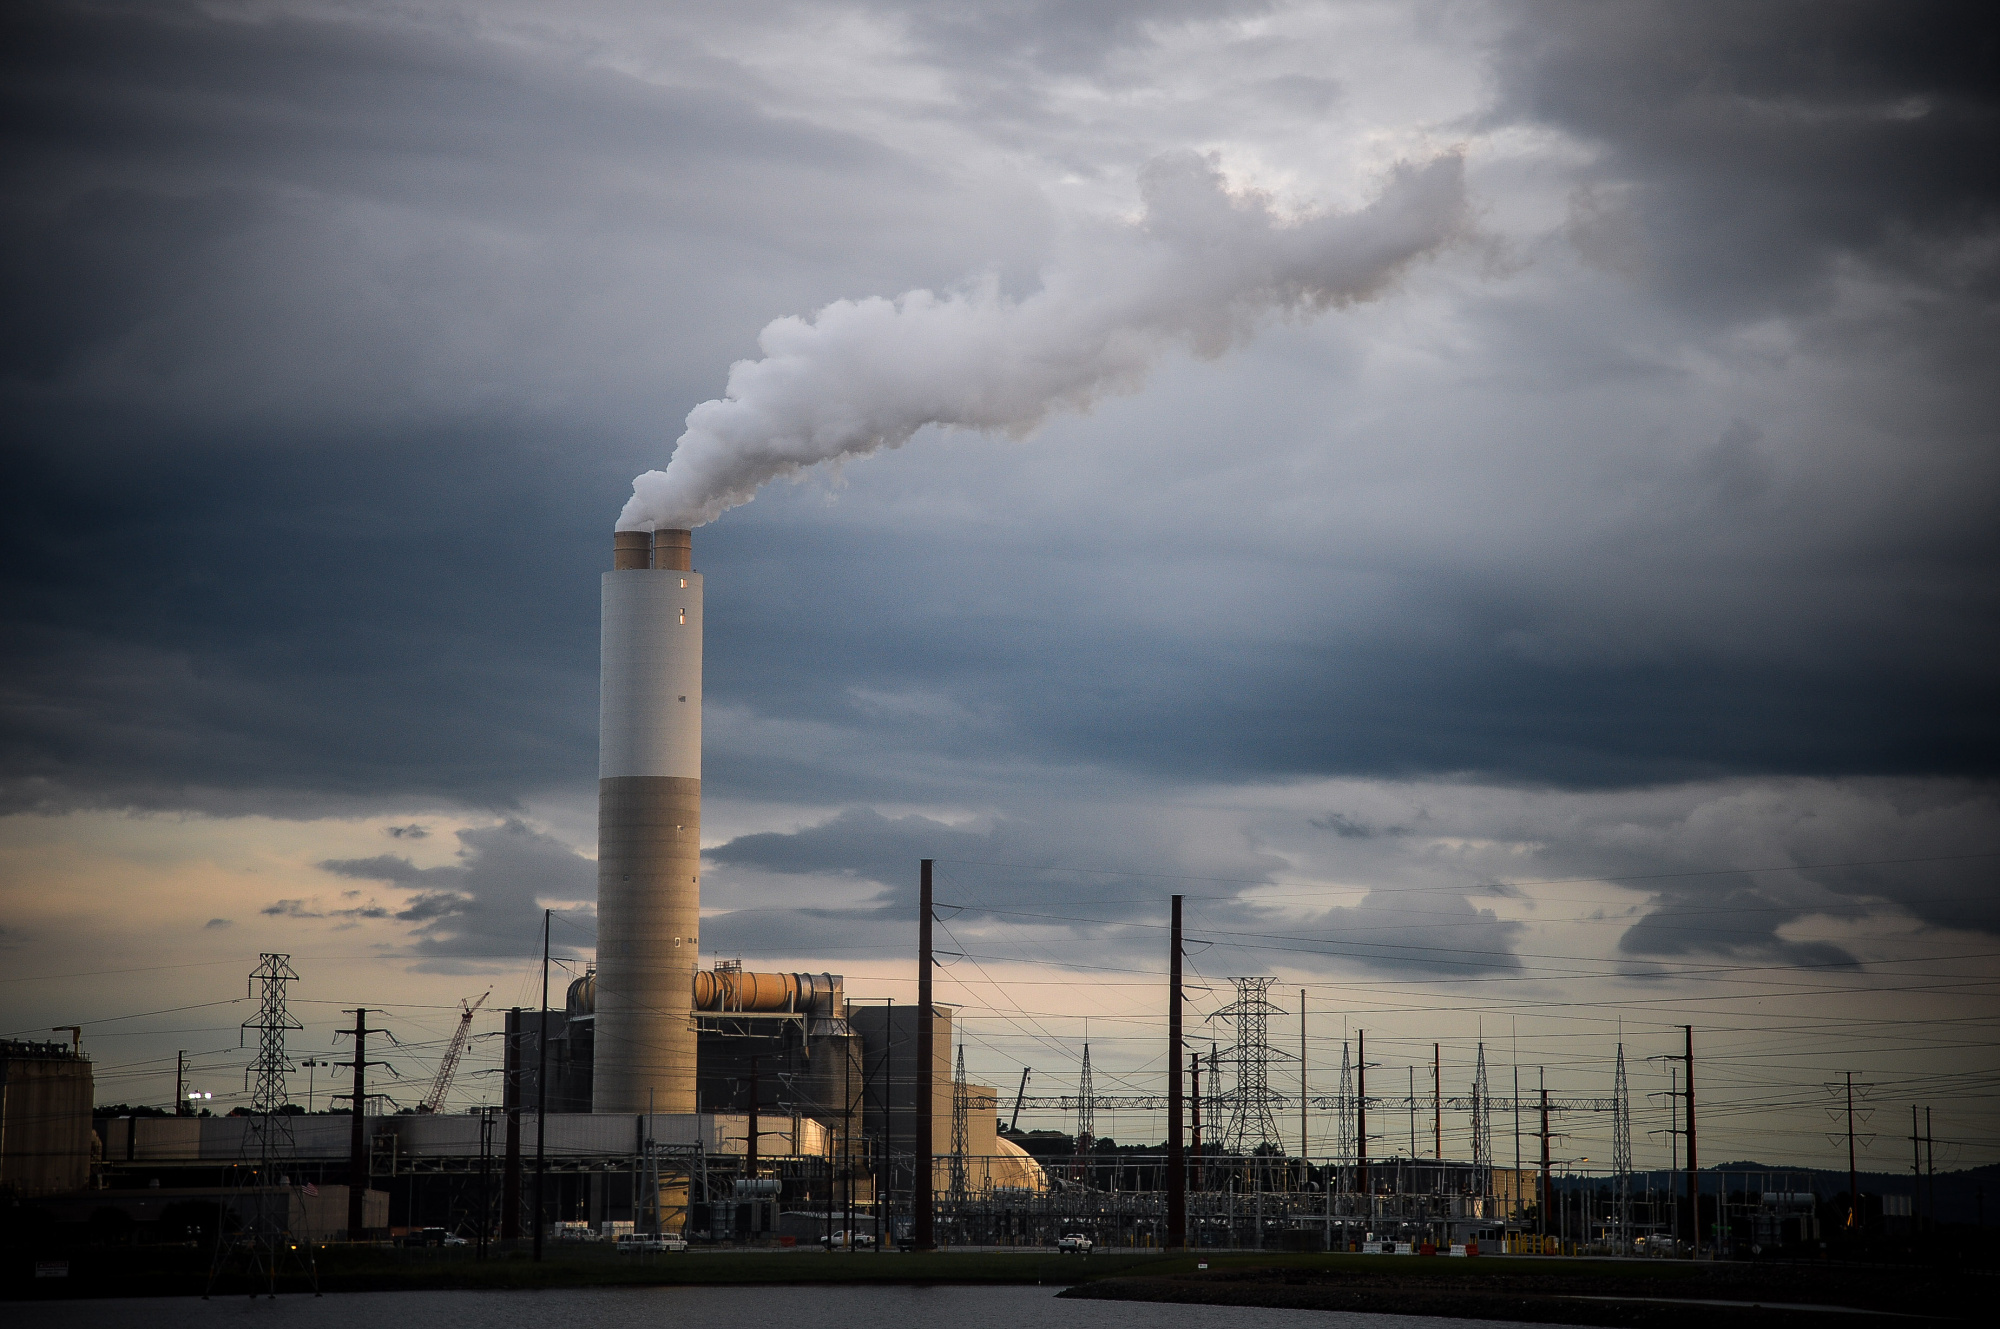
635,1243
841,1240
1075,1244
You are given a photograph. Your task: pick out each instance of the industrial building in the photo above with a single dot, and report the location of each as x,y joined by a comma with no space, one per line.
45,1104
733,1104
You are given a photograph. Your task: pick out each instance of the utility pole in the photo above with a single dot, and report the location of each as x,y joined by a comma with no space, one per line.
1361,1117
1546,1186
357,1139
1853,1176
1437,1102
885,1222
1176,1161
485,1176
1305,1140
1930,1166
542,1091
1694,1168
750,1148
1916,1170
1517,1125
180,1085
510,1172
1194,1115
921,1233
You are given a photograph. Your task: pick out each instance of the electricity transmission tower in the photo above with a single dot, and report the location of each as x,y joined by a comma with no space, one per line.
960,1133
1621,1148
1086,1121
1343,1130
1253,1120
1482,1114
264,1200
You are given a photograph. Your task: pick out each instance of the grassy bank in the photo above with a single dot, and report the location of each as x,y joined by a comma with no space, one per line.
1556,1291
179,1271
1563,1291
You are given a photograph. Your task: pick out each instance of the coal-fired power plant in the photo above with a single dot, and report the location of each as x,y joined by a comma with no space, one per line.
648,826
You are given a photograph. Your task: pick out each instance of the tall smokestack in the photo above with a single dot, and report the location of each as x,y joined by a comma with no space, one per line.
648,825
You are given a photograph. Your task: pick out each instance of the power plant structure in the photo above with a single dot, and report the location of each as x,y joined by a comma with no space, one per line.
648,825
730,1105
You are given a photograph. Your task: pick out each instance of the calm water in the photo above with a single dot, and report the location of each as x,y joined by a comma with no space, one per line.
654,1308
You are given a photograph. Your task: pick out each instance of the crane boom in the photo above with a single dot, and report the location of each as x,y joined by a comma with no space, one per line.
448,1068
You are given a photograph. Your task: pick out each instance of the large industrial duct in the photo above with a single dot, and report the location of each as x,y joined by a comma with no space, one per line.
648,825
736,990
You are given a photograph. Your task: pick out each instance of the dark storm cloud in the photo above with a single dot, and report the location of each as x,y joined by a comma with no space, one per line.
337,342
1017,891
1014,651
1751,147
486,906
860,844
295,630
1437,934
330,344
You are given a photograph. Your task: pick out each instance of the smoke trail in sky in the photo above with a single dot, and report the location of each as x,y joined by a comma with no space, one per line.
1198,269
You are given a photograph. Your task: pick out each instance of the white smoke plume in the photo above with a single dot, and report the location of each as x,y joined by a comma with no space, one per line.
1199,269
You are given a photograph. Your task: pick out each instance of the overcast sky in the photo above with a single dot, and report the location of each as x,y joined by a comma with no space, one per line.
1589,626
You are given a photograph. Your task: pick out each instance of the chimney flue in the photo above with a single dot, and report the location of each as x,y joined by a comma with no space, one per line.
631,551
673,551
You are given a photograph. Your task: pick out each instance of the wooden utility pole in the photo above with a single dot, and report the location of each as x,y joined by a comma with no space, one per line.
357,1139
1176,1160
542,1090
1694,1173
510,1171
1853,1176
922,1235
1437,1102
750,1149
1305,1151
1547,1186
1916,1171
1361,1115
357,1136
1194,1116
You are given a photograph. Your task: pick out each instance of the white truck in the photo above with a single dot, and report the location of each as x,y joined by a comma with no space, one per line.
639,1243
1076,1243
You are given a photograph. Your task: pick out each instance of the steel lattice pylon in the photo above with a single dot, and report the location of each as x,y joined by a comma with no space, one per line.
1343,1113
1252,1104
264,1206
1086,1121
960,1128
1482,1114
1621,1146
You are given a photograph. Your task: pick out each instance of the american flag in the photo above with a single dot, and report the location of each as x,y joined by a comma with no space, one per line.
310,1189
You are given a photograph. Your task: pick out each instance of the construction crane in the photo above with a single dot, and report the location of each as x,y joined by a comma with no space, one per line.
449,1066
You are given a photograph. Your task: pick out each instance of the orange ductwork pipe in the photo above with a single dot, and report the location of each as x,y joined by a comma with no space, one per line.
736,991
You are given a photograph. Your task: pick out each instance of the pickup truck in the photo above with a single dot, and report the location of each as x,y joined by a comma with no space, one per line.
639,1242
841,1240
1075,1244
